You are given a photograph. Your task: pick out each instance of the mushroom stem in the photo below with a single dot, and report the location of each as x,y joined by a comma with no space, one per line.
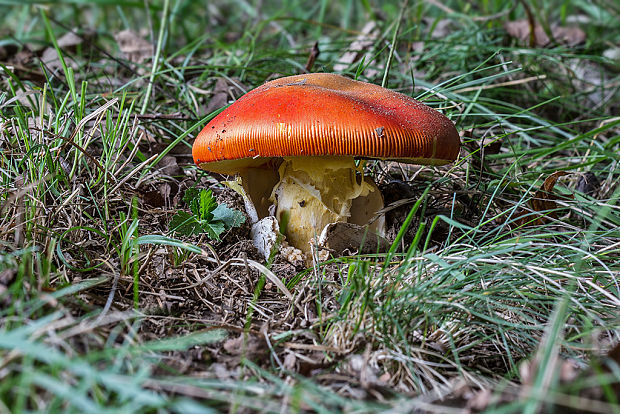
315,192
240,188
258,184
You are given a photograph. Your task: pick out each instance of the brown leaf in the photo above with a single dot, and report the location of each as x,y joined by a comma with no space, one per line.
571,374
23,58
163,195
219,97
520,29
7,276
359,47
544,201
135,48
491,145
441,29
245,346
588,184
589,78
169,166
67,43
290,361
568,371
526,368
570,36
614,354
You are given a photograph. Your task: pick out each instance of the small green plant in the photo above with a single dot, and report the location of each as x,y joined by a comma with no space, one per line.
207,216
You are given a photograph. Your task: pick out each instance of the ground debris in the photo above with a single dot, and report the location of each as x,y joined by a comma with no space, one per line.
68,44
521,29
442,327
544,204
360,48
588,184
134,47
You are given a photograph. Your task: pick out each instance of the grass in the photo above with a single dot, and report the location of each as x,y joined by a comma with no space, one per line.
488,298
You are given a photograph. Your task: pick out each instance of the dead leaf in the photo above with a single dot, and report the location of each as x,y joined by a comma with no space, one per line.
480,400
164,195
222,372
219,96
357,366
68,44
570,373
68,40
441,29
359,47
588,184
417,51
544,201
614,354
154,198
135,48
169,166
385,378
491,145
520,29
246,346
7,276
570,36
525,372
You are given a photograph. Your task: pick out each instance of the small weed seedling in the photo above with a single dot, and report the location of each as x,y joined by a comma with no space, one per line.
206,215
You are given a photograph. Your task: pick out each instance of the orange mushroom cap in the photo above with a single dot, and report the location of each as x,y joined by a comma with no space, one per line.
324,114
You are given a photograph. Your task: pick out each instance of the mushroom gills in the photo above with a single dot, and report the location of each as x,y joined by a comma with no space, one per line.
314,192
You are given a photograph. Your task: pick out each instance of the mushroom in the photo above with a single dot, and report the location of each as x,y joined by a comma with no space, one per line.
294,142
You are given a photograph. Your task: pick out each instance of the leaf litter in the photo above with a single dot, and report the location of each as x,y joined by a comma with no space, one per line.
522,30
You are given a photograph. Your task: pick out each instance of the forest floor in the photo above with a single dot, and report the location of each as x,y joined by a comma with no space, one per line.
500,291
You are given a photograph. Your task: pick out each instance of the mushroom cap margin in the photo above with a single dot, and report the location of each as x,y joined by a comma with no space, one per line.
324,114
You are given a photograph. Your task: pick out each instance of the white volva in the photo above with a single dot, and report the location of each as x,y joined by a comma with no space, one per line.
313,192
